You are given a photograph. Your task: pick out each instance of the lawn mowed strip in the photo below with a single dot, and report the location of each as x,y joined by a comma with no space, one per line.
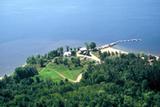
49,72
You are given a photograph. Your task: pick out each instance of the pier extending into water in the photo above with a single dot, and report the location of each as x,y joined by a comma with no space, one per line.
118,42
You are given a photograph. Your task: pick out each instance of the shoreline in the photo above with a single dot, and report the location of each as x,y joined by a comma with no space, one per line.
24,64
1,77
120,51
112,49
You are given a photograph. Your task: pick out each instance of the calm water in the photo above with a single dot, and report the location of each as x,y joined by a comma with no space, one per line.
30,27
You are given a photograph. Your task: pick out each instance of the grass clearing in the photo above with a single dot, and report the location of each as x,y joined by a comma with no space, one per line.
49,72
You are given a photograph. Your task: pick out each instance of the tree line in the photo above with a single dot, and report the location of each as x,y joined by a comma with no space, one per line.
122,81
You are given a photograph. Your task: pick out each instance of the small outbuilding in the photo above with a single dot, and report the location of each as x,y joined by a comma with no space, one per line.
83,49
67,54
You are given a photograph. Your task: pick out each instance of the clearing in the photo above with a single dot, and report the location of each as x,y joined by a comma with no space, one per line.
60,72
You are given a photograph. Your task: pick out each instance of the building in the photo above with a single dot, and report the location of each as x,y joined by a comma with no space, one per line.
83,49
67,54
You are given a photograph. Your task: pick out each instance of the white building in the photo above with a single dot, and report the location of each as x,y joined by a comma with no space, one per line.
67,54
83,49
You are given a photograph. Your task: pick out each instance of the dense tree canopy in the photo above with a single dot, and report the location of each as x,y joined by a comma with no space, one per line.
25,72
92,45
125,81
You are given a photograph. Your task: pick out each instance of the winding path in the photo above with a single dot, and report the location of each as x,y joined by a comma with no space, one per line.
93,57
74,81
79,77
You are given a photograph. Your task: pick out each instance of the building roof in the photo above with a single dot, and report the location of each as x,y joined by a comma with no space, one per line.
83,49
67,53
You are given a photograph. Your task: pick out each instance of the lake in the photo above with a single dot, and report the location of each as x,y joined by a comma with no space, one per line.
30,27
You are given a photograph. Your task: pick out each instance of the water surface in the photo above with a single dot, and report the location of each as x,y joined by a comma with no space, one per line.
29,27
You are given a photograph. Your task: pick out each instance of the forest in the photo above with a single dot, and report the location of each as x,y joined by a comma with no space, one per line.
124,81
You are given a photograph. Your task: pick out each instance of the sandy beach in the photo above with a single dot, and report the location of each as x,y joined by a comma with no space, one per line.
111,49
1,78
24,64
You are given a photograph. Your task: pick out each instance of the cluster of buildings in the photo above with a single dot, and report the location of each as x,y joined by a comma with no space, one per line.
69,53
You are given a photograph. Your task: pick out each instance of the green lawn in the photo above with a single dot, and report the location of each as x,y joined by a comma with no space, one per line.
49,72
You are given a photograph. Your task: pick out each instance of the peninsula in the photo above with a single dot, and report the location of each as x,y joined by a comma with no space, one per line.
85,76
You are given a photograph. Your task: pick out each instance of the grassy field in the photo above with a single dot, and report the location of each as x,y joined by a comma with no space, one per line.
49,72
